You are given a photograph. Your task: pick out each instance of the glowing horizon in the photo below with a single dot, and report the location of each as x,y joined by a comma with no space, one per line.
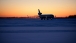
22,8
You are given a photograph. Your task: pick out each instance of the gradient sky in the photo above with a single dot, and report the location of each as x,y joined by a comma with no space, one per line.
22,8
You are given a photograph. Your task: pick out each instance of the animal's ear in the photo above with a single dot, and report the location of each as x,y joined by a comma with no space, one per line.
38,10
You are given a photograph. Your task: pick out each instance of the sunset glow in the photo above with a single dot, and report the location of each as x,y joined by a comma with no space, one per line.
24,8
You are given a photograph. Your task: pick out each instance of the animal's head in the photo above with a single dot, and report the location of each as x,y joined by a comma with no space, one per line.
39,13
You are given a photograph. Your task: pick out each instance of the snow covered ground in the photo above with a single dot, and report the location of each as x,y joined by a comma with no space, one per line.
37,23
37,31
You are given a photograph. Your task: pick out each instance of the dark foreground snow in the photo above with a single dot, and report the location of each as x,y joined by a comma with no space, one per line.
37,31
37,35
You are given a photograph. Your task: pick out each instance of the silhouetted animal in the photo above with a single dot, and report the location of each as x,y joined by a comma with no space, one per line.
45,16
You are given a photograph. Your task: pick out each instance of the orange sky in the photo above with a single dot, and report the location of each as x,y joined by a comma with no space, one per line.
22,8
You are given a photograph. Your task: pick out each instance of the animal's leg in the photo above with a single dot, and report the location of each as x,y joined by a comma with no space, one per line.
47,18
41,18
44,18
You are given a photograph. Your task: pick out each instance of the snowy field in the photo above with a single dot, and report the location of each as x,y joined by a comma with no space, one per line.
37,23
37,31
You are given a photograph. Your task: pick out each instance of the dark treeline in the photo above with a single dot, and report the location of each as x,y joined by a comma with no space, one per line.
11,17
72,16
17,17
